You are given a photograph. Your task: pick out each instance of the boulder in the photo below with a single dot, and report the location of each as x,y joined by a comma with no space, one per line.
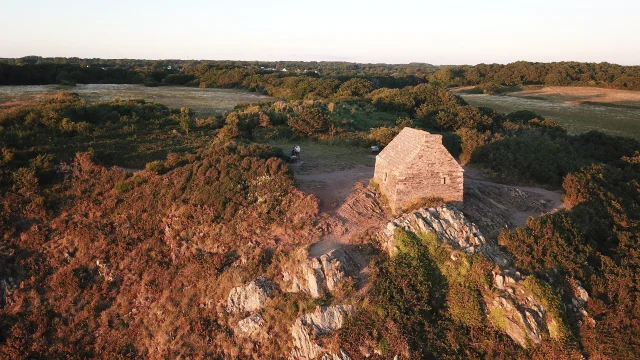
316,275
104,271
579,302
309,327
250,326
7,286
250,297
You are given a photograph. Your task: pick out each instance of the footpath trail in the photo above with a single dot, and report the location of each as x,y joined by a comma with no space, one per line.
546,201
355,213
333,188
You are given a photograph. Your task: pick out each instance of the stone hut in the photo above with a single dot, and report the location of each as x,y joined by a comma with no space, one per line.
414,166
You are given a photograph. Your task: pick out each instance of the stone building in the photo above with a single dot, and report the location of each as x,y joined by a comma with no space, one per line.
415,166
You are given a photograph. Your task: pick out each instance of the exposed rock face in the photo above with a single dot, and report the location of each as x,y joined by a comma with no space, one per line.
341,356
579,300
250,297
250,326
104,271
450,225
511,307
309,327
315,275
518,314
7,286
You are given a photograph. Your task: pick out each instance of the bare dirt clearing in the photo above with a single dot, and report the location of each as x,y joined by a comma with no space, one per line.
202,101
354,213
581,94
330,171
332,188
493,206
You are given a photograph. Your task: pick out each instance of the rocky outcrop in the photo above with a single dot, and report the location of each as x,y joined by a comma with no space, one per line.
510,303
104,271
308,328
7,286
316,275
451,226
514,309
250,326
250,297
578,304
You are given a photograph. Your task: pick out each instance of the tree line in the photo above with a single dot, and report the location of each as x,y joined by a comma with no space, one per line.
490,76
260,75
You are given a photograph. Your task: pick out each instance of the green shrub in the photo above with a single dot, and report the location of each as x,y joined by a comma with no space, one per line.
128,185
465,304
156,166
497,318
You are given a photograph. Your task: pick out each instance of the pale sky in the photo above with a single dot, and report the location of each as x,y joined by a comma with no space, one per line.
398,31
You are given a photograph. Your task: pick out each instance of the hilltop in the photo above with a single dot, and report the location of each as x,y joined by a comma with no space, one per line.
210,244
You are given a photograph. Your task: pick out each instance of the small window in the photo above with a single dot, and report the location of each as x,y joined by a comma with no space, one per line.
385,176
444,180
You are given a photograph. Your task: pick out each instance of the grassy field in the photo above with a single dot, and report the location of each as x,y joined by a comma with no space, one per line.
320,157
364,117
203,101
578,110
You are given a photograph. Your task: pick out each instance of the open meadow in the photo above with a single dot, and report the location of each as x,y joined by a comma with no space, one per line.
577,109
203,101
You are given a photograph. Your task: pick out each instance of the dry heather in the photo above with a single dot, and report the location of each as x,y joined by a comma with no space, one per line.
137,265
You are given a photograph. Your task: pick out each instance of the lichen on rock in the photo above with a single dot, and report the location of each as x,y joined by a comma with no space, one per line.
250,326
316,275
514,304
309,327
250,297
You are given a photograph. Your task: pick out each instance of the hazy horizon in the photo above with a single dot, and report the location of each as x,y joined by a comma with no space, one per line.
353,31
309,61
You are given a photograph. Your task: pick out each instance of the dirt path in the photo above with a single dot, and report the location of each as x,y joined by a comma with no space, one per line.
333,188
494,206
548,201
354,213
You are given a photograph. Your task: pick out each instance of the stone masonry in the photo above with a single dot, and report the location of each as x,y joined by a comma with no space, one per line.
415,166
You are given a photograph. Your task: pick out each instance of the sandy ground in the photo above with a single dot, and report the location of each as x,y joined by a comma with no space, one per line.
576,94
572,94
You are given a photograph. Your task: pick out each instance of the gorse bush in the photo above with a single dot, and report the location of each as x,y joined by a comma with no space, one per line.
595,242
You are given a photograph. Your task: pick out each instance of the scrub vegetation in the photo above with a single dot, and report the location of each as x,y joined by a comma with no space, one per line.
101,261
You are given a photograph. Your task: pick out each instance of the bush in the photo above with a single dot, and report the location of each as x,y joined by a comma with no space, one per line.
156,167
465,305
309,121
382,136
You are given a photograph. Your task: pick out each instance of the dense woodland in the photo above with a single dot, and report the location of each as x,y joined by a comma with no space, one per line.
294,76
100,262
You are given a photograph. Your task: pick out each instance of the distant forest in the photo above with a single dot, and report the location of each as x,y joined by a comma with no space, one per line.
291,79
